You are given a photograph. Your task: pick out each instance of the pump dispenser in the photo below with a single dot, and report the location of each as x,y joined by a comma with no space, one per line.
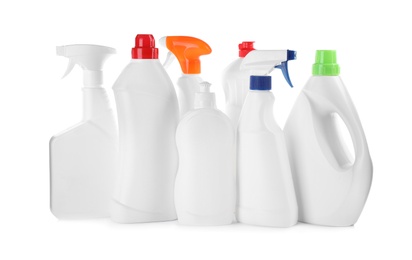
236,77
205,183
332,186
266,196
148,115
83,158
187,50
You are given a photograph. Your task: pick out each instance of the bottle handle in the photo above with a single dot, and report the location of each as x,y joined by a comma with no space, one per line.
346,110
343,106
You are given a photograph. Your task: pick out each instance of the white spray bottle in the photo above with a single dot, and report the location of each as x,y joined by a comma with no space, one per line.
187,50
266,196
236,80
205,190
83,158
148,115
332,187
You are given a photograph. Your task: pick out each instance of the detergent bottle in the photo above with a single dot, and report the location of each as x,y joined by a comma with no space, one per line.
205,191
83,158
332,186
148,115
236,83
266,195
187,50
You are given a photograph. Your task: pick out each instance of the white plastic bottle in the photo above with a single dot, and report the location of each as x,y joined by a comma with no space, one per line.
83,158
266,196
187,50
237,74
148,115
332,188
236,83
205,191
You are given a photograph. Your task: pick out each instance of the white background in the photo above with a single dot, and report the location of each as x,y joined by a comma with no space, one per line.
374,50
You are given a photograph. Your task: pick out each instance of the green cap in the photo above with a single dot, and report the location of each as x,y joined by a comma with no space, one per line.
325,64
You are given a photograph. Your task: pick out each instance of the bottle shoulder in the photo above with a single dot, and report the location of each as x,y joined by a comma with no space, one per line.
205,116
257,113
142,72
233,68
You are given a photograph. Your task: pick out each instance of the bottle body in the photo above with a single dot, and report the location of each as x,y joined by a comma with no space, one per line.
187,86
236,88
83,161
148,116
205,183
266,195
332,188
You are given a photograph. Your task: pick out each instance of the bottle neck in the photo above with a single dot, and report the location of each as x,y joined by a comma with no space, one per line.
95,102
92,78
205,100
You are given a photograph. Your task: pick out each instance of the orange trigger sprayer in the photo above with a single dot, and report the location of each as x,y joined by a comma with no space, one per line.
187,50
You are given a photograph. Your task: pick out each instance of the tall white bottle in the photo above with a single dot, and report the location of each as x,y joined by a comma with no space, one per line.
148,115
236,83
83,158
266,196
332,187
205,191
236,76
187,50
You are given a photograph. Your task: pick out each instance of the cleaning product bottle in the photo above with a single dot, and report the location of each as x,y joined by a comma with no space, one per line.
236,79
83,158
187,50
332,187
266,194
236,83
205,183
148,115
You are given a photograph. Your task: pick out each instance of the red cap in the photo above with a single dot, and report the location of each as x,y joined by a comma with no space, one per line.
245,48
145,47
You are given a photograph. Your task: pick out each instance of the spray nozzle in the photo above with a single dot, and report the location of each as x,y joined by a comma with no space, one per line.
89,57
187,50
283,66
262,62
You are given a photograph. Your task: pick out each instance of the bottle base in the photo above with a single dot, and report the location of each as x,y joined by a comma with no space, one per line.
264,218
123,214
328,223
198,220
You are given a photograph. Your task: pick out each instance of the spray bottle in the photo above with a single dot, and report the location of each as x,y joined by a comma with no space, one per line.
187,50
332,185
148,115
236,80
205,190
83,158
266,194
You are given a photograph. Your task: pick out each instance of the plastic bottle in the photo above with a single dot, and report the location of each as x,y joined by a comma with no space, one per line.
236,77
332,188
205,183
236,83
83,158
148,115
266,196
187,50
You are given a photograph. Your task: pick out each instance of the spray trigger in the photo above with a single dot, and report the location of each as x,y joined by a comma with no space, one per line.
169,60
283,66
70,66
